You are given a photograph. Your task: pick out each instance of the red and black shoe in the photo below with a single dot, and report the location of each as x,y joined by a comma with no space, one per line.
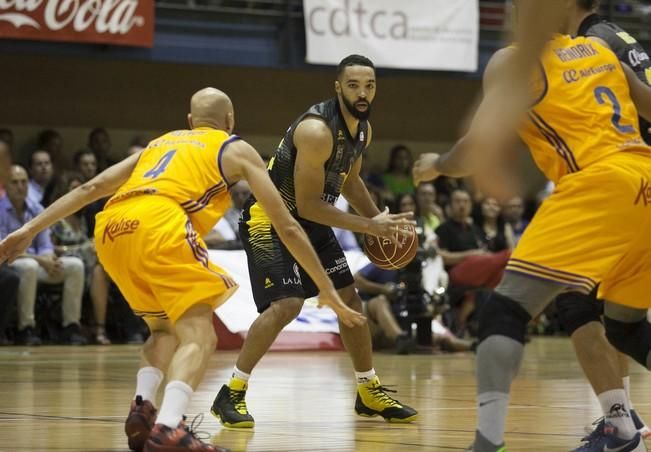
140,421
180,439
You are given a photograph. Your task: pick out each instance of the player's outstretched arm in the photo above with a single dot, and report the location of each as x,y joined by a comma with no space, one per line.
241,161
104,184
473,150
313,142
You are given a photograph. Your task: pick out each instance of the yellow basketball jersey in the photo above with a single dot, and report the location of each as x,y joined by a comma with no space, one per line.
584,112
184,165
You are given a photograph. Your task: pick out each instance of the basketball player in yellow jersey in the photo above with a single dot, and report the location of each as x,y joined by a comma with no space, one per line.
147,239
583,133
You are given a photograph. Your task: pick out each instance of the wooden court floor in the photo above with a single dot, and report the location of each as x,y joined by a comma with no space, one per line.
76,399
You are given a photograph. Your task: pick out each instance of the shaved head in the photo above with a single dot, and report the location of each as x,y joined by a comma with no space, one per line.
210,107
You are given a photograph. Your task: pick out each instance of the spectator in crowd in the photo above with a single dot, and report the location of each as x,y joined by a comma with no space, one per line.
9,281
445,186
430,211
397,178
7,136
514,215
5,164
458,237
40,264
226,233
377,288
71,238
99,142
51,142
85,163
497,233
42,181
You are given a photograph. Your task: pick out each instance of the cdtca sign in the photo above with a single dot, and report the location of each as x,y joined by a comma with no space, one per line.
410,34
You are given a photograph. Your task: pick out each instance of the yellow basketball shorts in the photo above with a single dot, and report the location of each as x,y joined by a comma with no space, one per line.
149,248
594,229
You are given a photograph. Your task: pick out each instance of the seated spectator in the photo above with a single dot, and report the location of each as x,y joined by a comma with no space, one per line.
9,282
445,186
40,264
51,142
85,163
42,182
470,265
430,212
397,178
226,233
377,288
458,237
70,237
497,233
514,215
99,142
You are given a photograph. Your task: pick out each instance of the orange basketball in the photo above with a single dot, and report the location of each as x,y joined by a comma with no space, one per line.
386,255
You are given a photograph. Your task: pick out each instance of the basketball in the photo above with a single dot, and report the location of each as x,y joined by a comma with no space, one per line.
386,255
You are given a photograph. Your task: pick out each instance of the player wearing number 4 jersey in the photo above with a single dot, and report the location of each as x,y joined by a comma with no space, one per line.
583,133
148,240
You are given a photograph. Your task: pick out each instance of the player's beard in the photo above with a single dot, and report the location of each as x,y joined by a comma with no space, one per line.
357,114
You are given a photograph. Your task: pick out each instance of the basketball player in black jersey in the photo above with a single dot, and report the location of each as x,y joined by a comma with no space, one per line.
605,368
318,160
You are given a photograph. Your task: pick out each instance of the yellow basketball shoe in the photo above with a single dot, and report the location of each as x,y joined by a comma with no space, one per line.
230,406
373,400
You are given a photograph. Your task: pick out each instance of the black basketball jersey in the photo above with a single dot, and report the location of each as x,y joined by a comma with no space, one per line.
627,49
346,149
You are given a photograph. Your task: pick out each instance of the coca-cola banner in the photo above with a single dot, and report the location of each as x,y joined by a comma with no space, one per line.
120,22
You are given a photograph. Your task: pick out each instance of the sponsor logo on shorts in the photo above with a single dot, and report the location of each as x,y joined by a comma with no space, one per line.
267,283
296,280
115,229
644,195
340,265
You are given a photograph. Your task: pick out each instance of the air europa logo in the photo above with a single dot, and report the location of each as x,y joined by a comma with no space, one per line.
365,17
115,229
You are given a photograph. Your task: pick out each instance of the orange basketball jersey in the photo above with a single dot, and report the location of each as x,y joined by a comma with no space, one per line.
184,165
584,111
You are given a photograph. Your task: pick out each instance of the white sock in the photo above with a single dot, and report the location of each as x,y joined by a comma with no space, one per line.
148,380
237,373
615,408
365,377
492,408
627,387
175,402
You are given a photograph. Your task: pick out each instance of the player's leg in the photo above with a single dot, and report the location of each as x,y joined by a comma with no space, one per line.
196,343
156,355
580,316
372,398
640,425
502,327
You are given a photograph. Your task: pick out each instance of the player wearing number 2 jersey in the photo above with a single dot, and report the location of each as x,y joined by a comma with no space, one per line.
582,131
147,239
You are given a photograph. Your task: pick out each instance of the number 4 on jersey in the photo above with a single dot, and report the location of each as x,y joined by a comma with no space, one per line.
161,166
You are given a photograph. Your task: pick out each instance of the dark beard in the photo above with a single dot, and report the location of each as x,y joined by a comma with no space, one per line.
361,115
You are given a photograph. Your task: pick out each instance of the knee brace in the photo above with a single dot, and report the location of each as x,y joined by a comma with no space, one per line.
576,310
503,316
634,339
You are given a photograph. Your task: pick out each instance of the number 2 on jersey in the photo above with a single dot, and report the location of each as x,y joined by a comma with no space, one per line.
161,166
599,93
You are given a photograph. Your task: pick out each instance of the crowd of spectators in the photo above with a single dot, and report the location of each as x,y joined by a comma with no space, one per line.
58,292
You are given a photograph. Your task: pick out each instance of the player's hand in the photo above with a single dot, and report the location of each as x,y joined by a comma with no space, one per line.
14,245
389,225
347,316
425,168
